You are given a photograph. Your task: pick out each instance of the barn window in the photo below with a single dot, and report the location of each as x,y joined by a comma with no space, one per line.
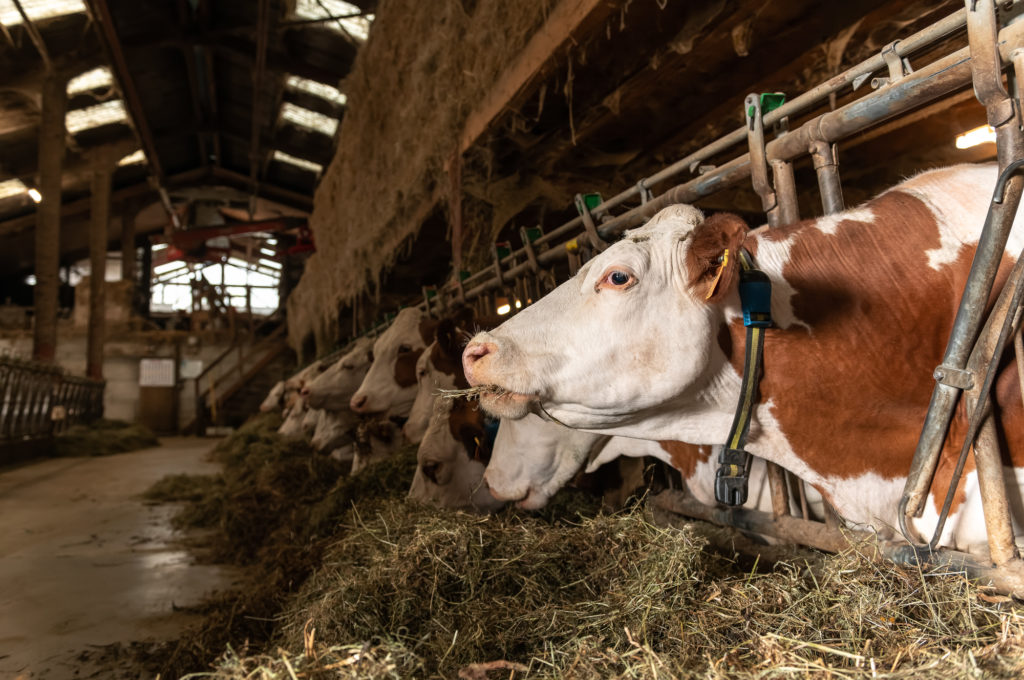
311,120
39,9
339,15
95,116
91,80
134,158
331,94
243,285
11,188
283,157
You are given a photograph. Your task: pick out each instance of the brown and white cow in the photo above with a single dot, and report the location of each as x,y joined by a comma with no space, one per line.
438,368
647,341
390,384
452,456
333,388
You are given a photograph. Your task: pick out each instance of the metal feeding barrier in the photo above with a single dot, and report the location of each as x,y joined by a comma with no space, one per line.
977,341
42,400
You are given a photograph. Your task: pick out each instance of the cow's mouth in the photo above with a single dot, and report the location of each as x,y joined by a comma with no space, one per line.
502,403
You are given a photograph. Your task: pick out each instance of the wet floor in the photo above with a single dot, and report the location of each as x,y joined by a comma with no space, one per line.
84,562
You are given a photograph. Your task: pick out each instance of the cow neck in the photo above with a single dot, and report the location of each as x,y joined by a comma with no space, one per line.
755,289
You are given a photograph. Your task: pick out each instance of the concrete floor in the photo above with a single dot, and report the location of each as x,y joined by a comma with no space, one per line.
84,562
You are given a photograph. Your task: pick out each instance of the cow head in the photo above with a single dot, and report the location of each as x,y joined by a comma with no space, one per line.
295,413
333,389
331,431
390,383
438,368
534,458
452,456
634,330
274,398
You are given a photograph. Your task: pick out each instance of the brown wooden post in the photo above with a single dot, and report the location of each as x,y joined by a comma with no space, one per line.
128,242
51,162
98,237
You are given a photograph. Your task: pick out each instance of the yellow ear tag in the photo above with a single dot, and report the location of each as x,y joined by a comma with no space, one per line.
718,274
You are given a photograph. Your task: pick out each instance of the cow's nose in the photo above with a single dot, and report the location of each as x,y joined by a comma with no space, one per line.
358,403
304,392
473,353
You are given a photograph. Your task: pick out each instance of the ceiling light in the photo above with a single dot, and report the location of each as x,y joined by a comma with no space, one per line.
979,135
504,309
34,194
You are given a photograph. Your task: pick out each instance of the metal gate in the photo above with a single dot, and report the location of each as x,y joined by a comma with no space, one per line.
42,400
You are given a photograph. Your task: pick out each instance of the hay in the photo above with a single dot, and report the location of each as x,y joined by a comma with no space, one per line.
430,594
271,510
103,438
474,392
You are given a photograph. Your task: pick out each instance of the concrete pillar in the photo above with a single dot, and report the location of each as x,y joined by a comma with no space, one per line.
98,235
128,243
51,163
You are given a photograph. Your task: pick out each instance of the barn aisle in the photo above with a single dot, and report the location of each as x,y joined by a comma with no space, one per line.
83,561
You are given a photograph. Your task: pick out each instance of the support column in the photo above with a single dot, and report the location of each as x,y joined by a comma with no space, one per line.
47,256
128,243
98,238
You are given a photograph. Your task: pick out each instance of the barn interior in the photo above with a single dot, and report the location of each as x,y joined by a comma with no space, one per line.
198,198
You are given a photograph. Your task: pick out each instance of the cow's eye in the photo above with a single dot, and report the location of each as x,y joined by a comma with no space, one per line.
369,357
617,279
402,349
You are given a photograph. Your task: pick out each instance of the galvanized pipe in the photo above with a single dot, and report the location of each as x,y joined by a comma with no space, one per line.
785,191
986,49
825,165
905,47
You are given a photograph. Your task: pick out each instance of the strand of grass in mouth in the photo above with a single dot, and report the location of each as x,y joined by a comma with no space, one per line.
473,392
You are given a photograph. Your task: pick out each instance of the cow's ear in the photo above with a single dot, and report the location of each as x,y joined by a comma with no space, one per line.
428,328
463,317
448,338
711,261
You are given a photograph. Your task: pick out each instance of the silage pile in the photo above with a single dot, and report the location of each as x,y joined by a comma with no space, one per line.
103,438
352,582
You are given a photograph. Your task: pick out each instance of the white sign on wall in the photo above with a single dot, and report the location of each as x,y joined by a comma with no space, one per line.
156,372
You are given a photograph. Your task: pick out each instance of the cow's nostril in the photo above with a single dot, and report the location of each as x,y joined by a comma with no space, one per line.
478,350
358,402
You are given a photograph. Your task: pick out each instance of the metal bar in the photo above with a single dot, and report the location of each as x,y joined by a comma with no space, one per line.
785,191
824,156
937,79
923,38
986,50
1008,578
779,491
992,487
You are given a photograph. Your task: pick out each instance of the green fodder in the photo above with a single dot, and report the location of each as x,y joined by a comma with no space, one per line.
433,594
103,438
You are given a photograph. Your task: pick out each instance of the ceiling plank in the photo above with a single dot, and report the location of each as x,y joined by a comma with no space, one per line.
567,18
101,12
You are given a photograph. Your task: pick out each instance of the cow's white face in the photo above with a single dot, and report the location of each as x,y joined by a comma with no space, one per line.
390,384
447,475
631,334
291,428
333,389
533,458
274,398
428,381
310,420
332,430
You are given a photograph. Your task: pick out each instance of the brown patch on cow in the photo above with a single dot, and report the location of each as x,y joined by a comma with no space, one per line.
684,457
851,395
445,363
704,257
427,329
405,367
466,424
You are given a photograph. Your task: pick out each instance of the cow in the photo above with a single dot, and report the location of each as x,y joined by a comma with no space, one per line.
294,415
389,387
333,389
452,456
647,341
274,398
533,458
438,368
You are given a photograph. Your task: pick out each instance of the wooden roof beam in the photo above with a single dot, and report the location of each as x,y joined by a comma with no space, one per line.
568,19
